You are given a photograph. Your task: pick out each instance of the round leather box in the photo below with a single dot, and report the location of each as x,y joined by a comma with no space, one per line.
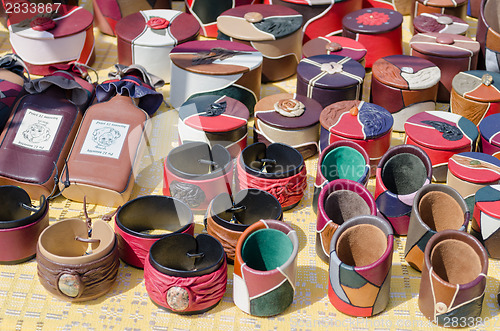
475,94
374,27
330,78
486,219
490,135
404,85
335,45
147,38
488,35
441,135
442,23
214,119
217,67
207,11
290,119
272,30
64,36
470,171
456,8
450,52
365,123
321,17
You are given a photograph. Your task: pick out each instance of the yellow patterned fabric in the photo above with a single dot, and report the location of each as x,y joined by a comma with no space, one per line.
25,305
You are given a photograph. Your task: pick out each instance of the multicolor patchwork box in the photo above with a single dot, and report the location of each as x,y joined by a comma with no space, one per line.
442,23
335,45
490,135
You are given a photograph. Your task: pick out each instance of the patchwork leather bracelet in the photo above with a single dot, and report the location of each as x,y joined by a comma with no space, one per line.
146,214
186,275
20,224
278,169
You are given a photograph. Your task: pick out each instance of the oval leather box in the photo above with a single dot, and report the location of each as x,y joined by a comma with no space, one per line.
365,123
404,85
486,219
147,38
290,119
456,8
207,11
450,52
490,135
321,17
442,23
488,34
335,45
475,94
330,78
441,135
374,27
214,119
272,30
217,67
67,35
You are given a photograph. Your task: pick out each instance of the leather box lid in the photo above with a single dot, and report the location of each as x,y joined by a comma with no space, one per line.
356,119
313,2
443,3
441,130
259,22
442,23
331,72
213,113
478,85
488,200
265,110
334,45
157,27
372,20
490,129
444,45
475,167
216,57
69,20
406,72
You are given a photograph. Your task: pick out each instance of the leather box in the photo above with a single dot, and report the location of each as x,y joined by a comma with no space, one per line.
290,119
218,67
365,123
473,8
475,95
321,17
207,11
335,45
108,12
404,85
441,135
330,78
451,53
490,135
272,30
486,219
442,23
402,6
456,8
488,35
374,27
214,119
147,38
67,35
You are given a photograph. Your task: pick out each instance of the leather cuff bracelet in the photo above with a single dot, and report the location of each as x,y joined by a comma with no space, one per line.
436,207
339,200
195,173
265,268
453,277
278,169
20,224
226,219
401,172
186,275
74,266
146,214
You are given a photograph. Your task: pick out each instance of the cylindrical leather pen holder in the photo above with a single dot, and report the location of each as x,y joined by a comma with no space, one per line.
436,207
360,266
453,277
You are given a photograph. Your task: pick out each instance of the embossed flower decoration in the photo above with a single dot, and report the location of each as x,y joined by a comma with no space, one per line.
372,18
42,23
157,23
289,107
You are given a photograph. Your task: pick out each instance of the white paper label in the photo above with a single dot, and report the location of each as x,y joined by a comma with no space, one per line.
105,139
37,130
